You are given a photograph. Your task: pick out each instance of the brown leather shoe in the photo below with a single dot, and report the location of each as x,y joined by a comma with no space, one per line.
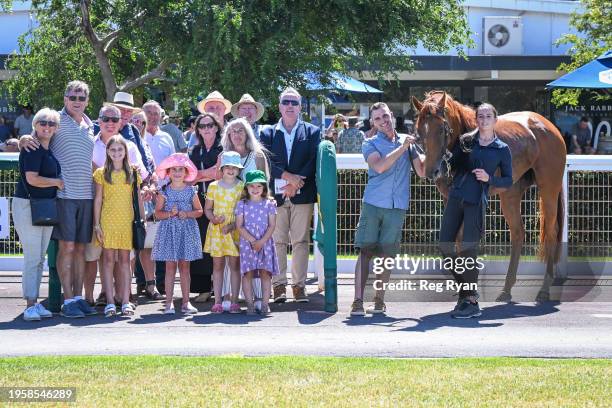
299,294
280,294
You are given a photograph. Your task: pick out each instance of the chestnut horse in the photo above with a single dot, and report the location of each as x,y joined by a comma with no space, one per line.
538,157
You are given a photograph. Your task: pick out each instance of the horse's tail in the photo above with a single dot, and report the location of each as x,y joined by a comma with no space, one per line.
550,246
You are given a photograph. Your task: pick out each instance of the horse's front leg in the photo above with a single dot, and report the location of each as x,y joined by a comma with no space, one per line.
511,208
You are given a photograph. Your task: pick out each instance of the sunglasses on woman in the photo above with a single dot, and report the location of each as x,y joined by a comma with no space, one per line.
106,119
206,125
49,123
80,98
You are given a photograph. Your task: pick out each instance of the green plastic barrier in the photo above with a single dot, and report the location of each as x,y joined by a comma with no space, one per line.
325,235
55,300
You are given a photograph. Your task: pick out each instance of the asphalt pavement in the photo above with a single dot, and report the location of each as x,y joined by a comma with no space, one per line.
409,329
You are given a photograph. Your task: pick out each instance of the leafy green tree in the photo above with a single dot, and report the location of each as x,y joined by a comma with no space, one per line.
595,24
235,46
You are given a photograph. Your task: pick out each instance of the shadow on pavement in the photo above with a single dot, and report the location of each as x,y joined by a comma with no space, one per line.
497,312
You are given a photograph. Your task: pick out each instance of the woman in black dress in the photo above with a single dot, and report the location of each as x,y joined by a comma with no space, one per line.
205,155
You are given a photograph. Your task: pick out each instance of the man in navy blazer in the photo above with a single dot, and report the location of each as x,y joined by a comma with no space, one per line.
292,144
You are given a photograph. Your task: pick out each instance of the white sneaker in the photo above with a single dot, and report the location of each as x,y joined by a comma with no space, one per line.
30,314
226,305
42,312
169,310
188,309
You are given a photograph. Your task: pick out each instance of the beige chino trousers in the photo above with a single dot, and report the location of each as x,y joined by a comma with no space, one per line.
292,227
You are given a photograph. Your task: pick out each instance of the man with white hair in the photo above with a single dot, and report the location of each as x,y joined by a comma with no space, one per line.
293,146
160,142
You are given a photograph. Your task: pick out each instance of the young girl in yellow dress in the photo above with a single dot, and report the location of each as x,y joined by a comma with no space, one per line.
222,236
113,216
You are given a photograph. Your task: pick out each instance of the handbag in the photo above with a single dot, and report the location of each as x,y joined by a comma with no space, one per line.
138,225
152,227
43,210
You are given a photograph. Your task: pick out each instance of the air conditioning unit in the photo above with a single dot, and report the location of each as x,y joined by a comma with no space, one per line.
502,36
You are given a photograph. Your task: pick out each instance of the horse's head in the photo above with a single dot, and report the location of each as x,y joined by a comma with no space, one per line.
437,128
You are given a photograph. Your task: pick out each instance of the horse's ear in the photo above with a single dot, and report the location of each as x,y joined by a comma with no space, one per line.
416,103
442,102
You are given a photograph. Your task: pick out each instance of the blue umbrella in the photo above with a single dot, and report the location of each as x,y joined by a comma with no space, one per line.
595,74
339,82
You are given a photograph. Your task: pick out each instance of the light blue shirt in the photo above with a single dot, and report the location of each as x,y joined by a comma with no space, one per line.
288,136
390,189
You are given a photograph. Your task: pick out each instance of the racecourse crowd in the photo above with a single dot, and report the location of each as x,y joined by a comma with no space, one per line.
221,202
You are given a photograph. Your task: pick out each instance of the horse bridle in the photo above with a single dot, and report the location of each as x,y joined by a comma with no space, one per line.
447,133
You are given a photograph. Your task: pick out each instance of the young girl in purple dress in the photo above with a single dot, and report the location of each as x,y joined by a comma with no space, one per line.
255,221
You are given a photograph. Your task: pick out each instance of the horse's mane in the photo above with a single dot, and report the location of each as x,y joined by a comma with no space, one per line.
465,115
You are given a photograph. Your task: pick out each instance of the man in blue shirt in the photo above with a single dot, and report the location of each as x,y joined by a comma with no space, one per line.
385,200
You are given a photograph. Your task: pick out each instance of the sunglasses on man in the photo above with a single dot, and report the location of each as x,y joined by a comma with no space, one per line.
74,98
107,119
45,123
291,102
206,125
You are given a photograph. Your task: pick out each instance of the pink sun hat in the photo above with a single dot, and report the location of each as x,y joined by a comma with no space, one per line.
177,160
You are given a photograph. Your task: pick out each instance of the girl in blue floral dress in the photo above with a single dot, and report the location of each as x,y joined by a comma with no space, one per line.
177,240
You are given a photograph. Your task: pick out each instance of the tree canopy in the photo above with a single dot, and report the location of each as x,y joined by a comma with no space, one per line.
235,46
595,24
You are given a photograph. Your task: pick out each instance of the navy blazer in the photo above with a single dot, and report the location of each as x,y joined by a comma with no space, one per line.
303,159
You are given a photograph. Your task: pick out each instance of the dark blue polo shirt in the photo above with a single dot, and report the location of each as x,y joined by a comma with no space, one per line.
491,157
42,162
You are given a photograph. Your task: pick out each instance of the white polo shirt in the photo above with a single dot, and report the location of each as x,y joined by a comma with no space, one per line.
161,145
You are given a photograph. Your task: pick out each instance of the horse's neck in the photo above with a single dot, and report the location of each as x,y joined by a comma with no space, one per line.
462,124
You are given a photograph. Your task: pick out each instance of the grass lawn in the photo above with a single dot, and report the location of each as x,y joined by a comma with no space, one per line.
305,381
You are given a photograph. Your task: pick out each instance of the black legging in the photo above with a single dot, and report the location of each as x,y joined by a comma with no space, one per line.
201,270
455,213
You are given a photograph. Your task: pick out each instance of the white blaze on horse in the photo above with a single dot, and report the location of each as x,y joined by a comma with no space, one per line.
538,157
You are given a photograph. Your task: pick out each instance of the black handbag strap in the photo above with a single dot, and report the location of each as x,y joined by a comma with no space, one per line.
137,216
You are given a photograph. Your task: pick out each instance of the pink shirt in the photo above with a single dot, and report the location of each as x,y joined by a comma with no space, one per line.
99,156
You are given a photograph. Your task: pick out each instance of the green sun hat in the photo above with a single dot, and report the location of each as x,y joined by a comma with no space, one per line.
256,176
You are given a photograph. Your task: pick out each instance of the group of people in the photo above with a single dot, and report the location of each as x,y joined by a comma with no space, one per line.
225,213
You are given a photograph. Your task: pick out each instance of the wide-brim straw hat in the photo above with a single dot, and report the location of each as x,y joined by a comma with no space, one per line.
246,98
215,96
177,160
124,100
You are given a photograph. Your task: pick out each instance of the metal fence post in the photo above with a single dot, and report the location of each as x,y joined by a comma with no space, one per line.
55,287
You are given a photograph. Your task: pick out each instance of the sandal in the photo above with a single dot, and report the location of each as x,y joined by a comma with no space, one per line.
250,311
127,310
265,309
235,308
101,300
152,293
217,308
110,310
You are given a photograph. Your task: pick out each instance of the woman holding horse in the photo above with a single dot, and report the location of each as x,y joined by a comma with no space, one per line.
474,161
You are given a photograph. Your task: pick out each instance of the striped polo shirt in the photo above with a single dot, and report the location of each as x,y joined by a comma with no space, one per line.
72,145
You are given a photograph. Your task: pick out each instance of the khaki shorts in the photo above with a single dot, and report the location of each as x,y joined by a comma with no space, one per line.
93,252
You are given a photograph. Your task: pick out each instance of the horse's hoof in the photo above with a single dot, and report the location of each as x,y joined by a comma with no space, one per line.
504,297
542,297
